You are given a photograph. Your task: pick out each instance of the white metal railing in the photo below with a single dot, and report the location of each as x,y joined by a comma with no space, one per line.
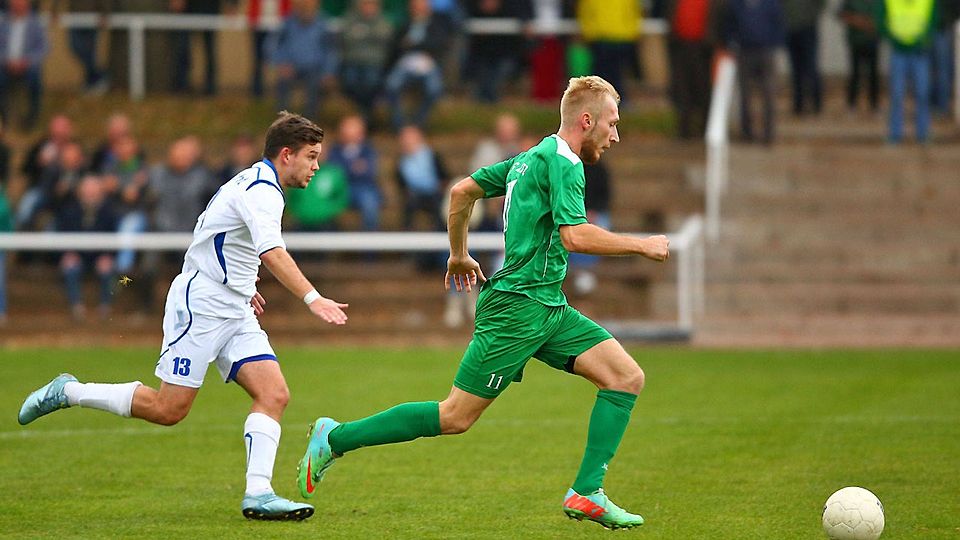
136,24
718,142
686,246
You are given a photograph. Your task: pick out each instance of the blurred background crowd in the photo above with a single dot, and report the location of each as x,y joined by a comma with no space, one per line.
374,72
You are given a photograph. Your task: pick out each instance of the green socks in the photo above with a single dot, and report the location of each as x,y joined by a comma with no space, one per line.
404,422
611,414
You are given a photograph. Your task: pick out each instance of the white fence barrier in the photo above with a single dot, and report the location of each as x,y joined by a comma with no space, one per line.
686,246
718,142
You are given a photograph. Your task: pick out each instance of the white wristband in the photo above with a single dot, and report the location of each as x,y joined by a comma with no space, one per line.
310,297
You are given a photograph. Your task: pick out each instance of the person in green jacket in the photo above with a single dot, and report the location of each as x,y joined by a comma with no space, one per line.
316,207
863,44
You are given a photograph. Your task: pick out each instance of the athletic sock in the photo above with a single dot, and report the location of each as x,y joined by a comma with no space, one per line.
404,422
115,398
261,436
611,414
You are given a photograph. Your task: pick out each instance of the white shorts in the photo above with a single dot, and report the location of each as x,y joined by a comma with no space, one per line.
192,340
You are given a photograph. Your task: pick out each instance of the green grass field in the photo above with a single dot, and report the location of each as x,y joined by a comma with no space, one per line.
723,444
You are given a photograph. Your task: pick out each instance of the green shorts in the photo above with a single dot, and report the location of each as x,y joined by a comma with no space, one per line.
510,329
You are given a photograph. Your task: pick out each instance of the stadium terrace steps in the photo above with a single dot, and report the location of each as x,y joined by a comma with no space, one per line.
826,242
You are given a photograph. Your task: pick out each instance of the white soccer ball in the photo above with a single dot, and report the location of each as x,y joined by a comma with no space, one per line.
853,513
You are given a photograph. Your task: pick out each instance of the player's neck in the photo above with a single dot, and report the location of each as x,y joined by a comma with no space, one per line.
573,139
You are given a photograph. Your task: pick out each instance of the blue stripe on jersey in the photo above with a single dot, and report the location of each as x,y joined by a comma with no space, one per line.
269,183
189,324
218,246
236,365
259,181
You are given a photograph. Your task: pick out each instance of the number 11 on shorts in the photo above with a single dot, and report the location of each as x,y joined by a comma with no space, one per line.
494,379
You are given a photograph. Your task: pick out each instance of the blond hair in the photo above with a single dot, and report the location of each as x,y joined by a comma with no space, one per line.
584,94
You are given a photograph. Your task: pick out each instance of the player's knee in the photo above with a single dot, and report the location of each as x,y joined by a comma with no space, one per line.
172,414
281,397
632,380
456,426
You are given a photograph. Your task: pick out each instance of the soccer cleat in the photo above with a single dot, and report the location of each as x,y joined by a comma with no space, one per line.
271,507
599,508
45,400
318,458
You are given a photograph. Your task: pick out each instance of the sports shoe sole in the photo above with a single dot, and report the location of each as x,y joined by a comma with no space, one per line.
580,516
293,515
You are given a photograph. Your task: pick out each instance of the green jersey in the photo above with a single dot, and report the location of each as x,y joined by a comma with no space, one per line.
544,190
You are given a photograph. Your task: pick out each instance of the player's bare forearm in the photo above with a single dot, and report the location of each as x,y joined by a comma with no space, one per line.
463,195
285,269
592,240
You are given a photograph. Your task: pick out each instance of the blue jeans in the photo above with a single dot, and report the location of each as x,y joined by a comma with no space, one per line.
73,279
83,43
361,83
366,198
942,60
399,80
133,222
914,67
34,82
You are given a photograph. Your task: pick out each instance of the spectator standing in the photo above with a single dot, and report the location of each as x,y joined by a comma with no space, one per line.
180,47
610,29
83,43
23,48
755,29
690,47
419,46
89,210
260,12
942,58
359,159
42,155
365,42
863,44
803,45
494,58
547,66
304,52
909,26
317,206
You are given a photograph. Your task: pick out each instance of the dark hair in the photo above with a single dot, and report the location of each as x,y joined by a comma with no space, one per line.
292,131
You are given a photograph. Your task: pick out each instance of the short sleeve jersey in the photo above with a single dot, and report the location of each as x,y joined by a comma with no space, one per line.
544,189
240,223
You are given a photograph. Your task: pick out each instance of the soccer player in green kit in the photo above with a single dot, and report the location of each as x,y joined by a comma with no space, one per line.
521,311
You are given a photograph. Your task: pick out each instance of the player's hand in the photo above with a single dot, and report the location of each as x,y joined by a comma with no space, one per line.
658,248
465,272
329,310
258,303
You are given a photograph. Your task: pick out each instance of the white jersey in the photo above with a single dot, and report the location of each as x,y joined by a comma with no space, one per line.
240,223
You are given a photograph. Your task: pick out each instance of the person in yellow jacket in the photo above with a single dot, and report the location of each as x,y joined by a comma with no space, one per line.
610,28
909,26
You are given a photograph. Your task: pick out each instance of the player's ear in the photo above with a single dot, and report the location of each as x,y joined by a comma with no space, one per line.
586,120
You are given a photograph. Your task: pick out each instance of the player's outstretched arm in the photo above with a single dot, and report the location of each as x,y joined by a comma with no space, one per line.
592,240
461,267
282,265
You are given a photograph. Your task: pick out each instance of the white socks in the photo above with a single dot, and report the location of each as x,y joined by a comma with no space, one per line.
261,436
115,398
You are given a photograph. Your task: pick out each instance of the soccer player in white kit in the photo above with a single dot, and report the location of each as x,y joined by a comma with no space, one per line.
211,316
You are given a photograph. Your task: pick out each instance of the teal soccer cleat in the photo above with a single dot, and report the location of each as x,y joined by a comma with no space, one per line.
45,400
271,507
599,508
318,458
